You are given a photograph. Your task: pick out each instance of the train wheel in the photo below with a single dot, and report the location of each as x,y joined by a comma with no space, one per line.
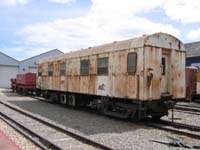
71,100
53,97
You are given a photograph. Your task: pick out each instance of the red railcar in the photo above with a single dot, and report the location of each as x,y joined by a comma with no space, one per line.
27,79
191,82
26,83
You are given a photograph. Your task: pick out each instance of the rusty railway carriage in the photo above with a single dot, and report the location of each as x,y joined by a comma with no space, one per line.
134,78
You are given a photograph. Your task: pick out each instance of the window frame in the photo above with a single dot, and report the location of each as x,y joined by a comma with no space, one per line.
63,70
50,72
84,71
39,71
106,68
133,70
163,62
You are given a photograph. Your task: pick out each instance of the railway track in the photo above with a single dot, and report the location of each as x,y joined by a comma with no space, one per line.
173,127
44,134
189,105
162,125
188,108
176,128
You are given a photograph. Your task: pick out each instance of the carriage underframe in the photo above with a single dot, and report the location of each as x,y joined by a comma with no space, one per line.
116,107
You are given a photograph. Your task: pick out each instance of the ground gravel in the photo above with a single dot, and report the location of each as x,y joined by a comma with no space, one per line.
111,132
19,139
185,117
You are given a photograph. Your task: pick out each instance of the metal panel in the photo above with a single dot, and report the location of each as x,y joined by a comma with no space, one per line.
140,73
6,73
178,74
198,81
92,77
102,86
191,82
152,59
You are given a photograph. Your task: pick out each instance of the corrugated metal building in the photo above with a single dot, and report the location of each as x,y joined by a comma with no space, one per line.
9,66
28,65
8,69
193,54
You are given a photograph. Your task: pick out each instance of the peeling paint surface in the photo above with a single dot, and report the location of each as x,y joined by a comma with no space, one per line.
119,83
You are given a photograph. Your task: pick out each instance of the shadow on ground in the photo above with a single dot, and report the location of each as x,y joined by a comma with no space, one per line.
83,121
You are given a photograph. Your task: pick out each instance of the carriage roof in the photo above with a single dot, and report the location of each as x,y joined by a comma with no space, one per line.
162,40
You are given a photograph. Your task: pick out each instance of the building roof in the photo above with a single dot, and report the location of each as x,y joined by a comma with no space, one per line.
192,49
7,60
10,61
54,50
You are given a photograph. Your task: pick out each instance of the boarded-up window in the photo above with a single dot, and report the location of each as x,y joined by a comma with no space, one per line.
40,71
50,70
84,68
132,62
62,69
102,66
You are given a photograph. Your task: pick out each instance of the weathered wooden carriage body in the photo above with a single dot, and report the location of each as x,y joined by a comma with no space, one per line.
143,76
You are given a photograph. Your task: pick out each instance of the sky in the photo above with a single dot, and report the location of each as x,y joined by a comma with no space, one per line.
31,27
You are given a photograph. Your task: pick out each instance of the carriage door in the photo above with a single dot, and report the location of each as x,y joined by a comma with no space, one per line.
164,73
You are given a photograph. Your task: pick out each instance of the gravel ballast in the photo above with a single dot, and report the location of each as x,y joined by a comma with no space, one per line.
112,132
19,139
184,116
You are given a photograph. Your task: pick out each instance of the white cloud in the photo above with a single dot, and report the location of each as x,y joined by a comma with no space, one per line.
186,11
12,2
62,1
108,20
194,34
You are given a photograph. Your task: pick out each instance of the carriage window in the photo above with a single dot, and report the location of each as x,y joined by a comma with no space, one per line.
163,66
102,68
40,71
50,70
62,69
132,62
84,69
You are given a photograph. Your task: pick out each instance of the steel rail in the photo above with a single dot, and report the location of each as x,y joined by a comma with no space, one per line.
187,112
184,105
180,125
38,140
70,133
169,123
187,108
161,127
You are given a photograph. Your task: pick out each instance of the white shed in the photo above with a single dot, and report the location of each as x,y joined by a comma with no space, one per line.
8,69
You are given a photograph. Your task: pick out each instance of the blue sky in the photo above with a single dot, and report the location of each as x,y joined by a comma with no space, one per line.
30,27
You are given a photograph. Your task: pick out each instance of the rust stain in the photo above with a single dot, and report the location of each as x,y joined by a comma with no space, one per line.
191,79
118,82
